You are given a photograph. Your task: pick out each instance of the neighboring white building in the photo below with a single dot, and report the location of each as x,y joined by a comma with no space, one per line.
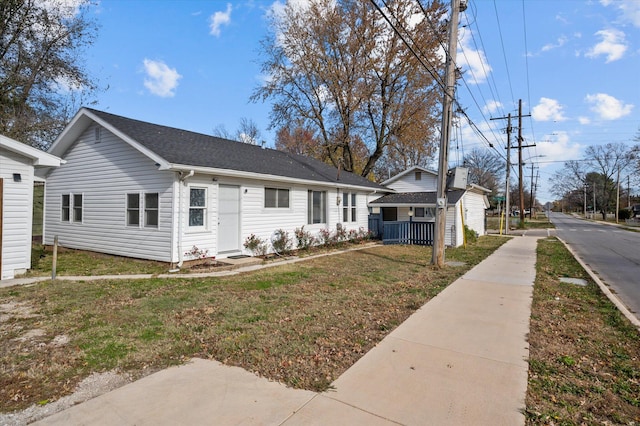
142,190
17,163
415,199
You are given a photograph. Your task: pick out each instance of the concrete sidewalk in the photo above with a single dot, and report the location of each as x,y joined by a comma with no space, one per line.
460,359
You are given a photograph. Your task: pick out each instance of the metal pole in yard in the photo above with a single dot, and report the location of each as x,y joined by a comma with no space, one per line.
55,258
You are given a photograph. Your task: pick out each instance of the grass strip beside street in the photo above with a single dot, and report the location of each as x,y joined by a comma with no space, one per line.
584,362
301,324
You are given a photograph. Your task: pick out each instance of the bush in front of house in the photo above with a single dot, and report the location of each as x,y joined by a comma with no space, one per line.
255,245
304,239
281,242
470,235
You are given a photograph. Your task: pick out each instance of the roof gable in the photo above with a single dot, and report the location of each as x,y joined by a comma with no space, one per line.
174,148
39,158
406,172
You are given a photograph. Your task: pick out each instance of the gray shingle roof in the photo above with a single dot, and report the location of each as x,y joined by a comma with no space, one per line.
195,149
417,198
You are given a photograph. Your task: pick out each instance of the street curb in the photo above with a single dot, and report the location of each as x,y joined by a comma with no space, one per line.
611,296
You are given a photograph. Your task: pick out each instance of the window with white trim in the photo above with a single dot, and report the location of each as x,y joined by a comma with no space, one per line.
349,212
149,205
197,206
133,209
151,208
276,198
77,207
317,207
65,212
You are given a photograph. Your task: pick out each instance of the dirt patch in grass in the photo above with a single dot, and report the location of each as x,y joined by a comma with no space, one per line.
584,365
301,324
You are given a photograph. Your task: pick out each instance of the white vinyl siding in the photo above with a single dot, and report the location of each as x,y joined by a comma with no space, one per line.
474,209
16,213
102,173
410,183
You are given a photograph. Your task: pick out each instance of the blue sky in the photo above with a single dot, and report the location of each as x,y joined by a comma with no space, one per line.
574,63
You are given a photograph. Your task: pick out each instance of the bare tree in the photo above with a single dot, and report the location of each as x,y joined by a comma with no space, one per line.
42,78
299,140
486,168
338,68
597,173
248,132
221,131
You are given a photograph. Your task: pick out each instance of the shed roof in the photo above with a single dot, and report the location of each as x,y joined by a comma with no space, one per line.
38,157
416,198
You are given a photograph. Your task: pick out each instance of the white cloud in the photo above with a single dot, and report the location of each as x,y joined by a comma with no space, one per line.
584,120
561,41
473,61
613,45
607,107
218,19
548,110
629,10
492,106
160,80
558,147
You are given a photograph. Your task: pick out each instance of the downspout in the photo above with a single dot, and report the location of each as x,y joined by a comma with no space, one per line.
183,178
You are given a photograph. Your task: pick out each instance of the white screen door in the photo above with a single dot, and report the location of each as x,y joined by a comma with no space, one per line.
228,218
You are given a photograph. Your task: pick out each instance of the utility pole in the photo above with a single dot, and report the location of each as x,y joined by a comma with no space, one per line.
531,194
507,206
585,199
618,196
437,258
520,146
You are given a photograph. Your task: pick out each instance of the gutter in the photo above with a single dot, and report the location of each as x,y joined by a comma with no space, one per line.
181,183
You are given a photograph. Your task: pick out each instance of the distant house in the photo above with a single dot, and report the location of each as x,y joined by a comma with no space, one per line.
148,191
17,164
415,200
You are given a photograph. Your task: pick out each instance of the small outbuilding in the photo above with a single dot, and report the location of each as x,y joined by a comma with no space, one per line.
17,164
408,214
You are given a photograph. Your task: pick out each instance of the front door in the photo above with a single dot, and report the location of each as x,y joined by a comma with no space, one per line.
228,218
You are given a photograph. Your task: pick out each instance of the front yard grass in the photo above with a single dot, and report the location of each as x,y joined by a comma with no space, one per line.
84,263
584,364
301,324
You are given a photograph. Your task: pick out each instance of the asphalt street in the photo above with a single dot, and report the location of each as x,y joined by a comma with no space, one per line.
611,252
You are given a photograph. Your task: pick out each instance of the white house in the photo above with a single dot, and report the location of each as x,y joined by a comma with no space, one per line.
415,200
148,191
17,164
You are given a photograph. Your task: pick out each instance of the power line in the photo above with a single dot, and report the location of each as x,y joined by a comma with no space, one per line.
504,53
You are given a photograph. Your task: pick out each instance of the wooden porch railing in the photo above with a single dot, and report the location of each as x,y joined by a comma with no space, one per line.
417,233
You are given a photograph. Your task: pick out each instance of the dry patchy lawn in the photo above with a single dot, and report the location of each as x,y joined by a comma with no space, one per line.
584,365
301,324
